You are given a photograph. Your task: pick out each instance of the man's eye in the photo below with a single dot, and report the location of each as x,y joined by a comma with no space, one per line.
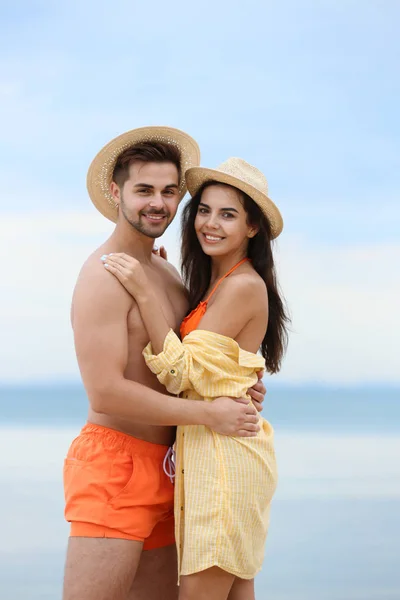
144,191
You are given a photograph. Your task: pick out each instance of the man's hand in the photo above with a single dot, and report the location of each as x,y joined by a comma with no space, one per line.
257,392
233,416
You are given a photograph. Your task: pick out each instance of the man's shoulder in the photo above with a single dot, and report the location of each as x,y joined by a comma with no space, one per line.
94,283
167,269
92,273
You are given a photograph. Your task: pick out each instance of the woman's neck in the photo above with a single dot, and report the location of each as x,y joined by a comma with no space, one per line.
220,265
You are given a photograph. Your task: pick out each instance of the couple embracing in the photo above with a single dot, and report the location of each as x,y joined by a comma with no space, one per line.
150,504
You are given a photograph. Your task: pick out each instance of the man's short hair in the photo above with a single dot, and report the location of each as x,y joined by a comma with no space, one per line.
147,152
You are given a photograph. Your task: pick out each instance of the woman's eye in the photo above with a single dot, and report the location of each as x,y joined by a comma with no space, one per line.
202,211
228,215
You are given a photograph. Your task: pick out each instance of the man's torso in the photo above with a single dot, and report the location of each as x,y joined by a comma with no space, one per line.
170,291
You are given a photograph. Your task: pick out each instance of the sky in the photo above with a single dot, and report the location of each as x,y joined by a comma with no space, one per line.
306,91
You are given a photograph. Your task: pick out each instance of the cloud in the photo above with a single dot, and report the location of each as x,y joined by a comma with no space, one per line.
342,300
287,97
293,101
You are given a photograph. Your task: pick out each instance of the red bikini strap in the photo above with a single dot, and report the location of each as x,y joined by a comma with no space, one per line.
222,278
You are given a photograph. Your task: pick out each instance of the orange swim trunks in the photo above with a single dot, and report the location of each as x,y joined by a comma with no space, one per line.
115,487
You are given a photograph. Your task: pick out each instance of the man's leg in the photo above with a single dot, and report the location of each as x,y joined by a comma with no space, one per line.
156,576
115,487
100,568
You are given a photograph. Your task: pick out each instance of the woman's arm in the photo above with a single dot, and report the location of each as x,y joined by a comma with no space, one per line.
131,274
167,357
239,300
153,318
100,309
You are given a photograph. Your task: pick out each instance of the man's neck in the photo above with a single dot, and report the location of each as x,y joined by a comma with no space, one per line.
126,238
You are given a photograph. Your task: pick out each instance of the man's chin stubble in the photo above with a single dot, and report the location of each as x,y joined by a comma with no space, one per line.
142,229
148,233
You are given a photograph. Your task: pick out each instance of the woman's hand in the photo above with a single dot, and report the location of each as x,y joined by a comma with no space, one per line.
161,251
129,272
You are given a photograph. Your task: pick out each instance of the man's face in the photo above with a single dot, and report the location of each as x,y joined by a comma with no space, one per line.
149,199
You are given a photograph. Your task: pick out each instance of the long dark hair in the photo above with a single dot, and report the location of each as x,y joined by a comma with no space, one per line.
196,270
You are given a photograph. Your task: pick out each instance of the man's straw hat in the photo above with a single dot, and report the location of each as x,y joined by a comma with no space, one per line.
239,174
101,170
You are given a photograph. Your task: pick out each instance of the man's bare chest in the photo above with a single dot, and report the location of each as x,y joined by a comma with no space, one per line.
171,300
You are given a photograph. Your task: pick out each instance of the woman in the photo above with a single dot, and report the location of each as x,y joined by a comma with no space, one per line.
224,485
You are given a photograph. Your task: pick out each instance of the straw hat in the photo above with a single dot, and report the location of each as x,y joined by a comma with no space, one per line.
100,172
239,174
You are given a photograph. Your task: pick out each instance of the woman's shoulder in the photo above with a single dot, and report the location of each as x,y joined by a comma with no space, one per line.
247,282
245,292
240,299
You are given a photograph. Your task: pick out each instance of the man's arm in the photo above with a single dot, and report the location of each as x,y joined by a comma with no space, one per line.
258,392
131,275
101,307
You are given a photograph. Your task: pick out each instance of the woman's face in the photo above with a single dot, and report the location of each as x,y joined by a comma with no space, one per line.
221,222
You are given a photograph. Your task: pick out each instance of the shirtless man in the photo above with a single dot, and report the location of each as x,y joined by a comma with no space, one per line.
119,498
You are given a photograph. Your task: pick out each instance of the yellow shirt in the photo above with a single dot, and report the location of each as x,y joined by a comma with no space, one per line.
224,485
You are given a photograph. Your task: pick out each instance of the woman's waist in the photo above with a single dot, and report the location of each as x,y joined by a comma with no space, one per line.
192,395
201,434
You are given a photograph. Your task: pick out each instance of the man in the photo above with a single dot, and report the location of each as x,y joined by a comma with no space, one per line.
119,498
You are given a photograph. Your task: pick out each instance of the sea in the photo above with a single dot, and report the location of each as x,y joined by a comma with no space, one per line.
335,518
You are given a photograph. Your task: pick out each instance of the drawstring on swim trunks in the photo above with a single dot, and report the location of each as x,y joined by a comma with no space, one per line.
169,464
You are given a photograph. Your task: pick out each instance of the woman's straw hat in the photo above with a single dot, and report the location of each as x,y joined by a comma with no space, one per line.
239,174
101,170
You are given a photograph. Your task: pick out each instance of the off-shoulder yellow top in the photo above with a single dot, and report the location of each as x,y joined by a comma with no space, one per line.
224,485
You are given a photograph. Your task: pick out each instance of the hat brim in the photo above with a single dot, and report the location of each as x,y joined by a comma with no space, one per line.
101,170
197,176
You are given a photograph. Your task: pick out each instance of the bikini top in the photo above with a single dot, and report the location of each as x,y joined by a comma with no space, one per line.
191,322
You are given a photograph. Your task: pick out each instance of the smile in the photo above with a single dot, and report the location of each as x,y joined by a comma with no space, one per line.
212,238
155,218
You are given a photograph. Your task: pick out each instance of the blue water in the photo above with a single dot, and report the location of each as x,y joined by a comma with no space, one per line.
316,408
335,520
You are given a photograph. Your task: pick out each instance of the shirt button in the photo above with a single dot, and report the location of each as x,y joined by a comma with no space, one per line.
183,470
181,507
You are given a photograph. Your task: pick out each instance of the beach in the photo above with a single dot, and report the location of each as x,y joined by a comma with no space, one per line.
334,523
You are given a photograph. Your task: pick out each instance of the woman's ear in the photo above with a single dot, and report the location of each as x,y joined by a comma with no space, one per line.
252,232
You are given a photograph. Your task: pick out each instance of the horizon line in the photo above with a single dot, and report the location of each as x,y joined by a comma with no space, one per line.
276,384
